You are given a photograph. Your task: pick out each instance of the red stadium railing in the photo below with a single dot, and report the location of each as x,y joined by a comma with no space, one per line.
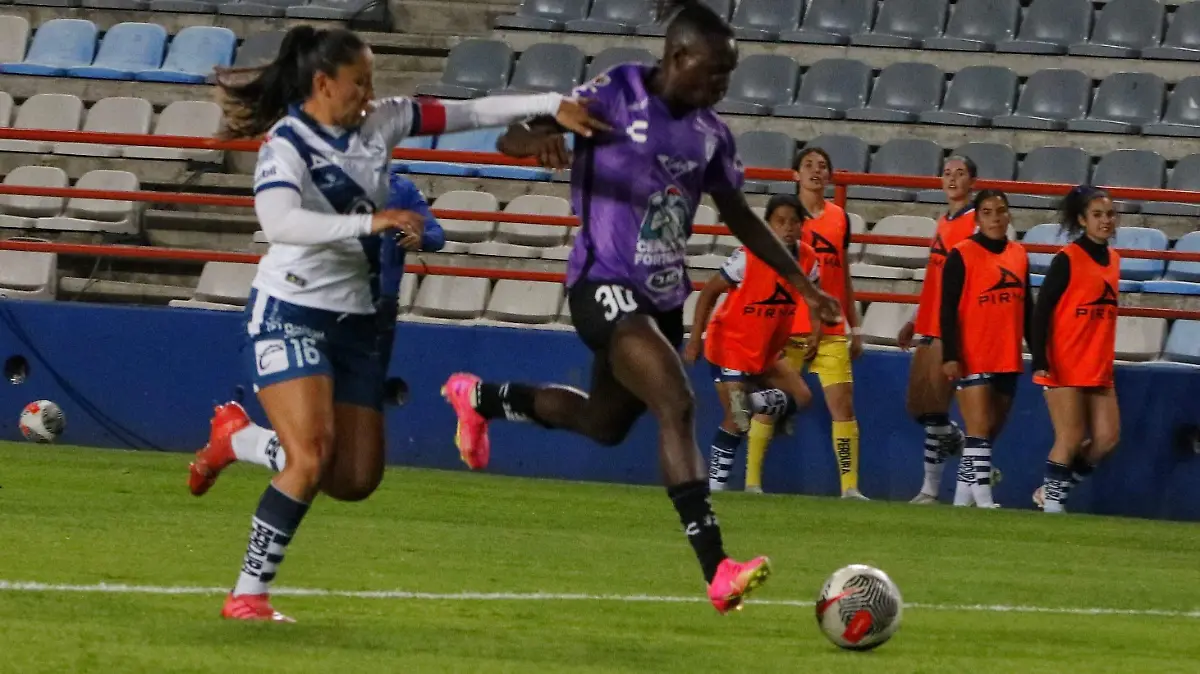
841,179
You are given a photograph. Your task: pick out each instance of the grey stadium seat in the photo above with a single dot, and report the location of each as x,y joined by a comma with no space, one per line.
723,9
183,118
14,38
1140,338
614,17
975,96
1130,168
452,297
545,14
259,49
1050,27
1068,165
1123,103
1182,41
767,149
902,92
274,8
18,210
99,215
1049,99
1182,116
849,153
28,276
614,56
524,301
905,24
328,10
761,82
833,22
995,161
222,285
473,68
978,25
829,88
901,156
1123,29
59,112
547,67
188,6
6,108
766,19
111,115
1185,175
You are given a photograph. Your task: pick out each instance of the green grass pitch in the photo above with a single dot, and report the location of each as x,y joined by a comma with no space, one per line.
83,517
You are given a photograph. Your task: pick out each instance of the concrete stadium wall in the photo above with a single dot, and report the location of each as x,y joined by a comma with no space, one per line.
157,372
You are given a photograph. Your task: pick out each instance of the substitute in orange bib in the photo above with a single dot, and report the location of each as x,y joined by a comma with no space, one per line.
1073,340
929,392
746,336
828,350
985,310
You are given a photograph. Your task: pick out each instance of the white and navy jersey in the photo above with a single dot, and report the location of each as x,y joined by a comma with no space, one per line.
339,172
733,269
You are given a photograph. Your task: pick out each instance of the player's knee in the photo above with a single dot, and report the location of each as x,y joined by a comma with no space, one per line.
1104,442
678,409
310,457
358,486
610,435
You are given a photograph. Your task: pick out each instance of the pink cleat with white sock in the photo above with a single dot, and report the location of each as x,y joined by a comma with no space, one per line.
735,580
472,436
218,453
252,607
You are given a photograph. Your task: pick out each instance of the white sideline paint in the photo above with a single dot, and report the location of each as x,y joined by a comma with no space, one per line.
116,588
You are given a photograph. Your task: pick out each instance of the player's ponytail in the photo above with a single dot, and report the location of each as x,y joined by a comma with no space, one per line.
255,98
1073,208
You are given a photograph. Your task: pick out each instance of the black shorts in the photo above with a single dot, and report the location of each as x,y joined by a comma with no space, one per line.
1004,383
597,307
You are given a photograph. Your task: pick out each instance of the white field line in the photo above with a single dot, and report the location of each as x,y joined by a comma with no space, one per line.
118,588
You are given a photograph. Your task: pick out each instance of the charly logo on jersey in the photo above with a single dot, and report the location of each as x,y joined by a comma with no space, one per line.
1102,307
662,238
676,166
1008,289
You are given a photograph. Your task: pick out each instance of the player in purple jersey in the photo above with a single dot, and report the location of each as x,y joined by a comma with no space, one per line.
636,190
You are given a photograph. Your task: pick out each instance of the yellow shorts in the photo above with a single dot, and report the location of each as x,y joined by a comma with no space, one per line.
832,364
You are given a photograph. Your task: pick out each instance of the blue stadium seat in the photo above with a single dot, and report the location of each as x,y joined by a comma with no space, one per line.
1181,277
125,49
57,45
479,140
1049,234
1141,238
193,54
415,143
1183,343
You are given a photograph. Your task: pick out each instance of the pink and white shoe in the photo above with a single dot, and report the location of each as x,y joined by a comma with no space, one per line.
252,607
735,580
471,436
218,453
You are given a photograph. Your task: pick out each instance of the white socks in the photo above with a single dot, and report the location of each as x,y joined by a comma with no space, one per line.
255,444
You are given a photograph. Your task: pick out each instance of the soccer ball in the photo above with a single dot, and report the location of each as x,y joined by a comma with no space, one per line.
42,421
859,607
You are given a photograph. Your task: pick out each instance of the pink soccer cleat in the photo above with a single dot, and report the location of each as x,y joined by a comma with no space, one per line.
735,580
252,607
471,436
218,453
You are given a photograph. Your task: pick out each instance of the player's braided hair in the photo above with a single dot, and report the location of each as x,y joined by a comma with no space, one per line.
255,98
1073,208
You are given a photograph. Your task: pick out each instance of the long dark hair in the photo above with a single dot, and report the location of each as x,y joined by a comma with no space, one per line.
255,98
1074,206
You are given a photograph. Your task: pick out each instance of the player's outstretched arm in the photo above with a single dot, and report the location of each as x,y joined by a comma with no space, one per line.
541,139
762,242
709,294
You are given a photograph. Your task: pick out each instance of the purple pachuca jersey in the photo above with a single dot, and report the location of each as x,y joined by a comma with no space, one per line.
636,188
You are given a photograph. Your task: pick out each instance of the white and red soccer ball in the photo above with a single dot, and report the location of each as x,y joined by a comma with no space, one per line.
42,421
859,608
